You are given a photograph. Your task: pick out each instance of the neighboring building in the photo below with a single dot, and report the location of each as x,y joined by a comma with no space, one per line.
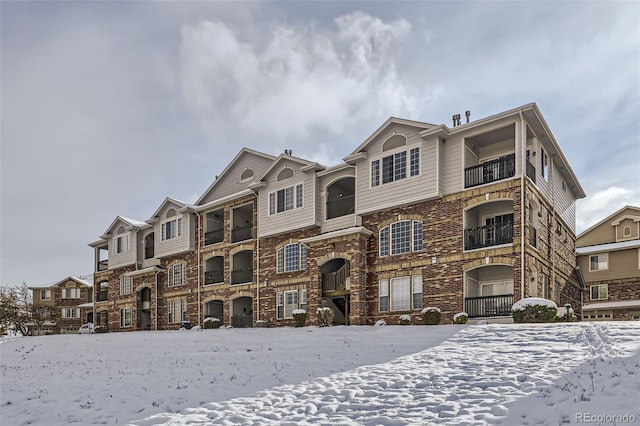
609,258
61,308
468,218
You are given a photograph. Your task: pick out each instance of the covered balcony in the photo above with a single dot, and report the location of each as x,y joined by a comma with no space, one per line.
214,270
341,198
490,157
214,227
149,246
489,224
102,294
489,291
335,276
242,271
242,223
102,258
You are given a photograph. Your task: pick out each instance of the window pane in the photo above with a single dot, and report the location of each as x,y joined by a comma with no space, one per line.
400,290
290,303
400,237
272,203
400,168
288,198
387,169
417,235
291,257
416,291
280,260
415,162
383,295
375,173
298,196
303,256
384,241
280,195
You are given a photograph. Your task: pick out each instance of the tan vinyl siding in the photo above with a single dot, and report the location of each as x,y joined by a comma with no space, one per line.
231,183
604,232
291,219
403,191
452,166
323,182
118,260
622,264
632,227
178,244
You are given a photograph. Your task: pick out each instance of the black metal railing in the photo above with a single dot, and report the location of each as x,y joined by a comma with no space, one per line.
213,277
490,171
149,252
213,237
342,207
531,171
241,276
103,265
488,306
242,233
488,235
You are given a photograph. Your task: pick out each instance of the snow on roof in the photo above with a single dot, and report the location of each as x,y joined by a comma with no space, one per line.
608,247
134,222
86,305
531,301
612,305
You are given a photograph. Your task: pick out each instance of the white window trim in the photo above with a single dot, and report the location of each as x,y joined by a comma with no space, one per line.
390,239
126,285
383,291
606,262
406,148
272,200
45,292
123,317
281,258
172,306
171,274
75,293
605,286
75,313
176,229
124,245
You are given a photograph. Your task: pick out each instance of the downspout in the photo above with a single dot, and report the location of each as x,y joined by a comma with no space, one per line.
523,142
553,223
199,263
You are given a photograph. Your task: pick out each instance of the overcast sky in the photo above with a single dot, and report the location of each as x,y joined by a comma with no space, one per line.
109,107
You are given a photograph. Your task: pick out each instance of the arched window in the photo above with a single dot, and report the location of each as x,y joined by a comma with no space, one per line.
394,142
247,174
286,173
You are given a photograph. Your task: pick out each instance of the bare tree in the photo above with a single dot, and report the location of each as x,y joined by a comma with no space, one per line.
16,305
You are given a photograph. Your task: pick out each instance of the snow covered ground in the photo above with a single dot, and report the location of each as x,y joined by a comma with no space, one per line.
546,374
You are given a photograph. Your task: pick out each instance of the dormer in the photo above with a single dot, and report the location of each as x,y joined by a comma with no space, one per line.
121,244
172,230
288,193
627,227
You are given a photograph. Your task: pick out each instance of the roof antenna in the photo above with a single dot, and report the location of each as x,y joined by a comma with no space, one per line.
456,120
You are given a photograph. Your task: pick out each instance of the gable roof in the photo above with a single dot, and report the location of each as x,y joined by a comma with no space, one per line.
129,225
305,165
69,278
181,205
382,128
607,219
236,159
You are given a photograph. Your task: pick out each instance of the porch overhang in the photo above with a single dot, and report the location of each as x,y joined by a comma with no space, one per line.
338,234
622,304
149,270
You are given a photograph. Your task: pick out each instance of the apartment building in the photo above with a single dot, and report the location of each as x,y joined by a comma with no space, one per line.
609,258
465,218
61,308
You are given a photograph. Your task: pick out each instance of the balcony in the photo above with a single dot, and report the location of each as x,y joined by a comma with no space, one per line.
488,306
488,235
213,277
242,276
103,265
531,171
342,207
213,237
149,252
242,233
490,171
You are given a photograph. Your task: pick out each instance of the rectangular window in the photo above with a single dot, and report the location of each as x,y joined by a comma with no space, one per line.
125,317
375,173
45,294
71,293
384,241
171,229
544,163
279,305
416,292
383,295
122,244
394,167
545,286
298,196
126,285
290,303
286,199
599,262
177,275
599,292
70,313
303,257
292,257
401,237
417,235
303,299
414,165
400,289
177,311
